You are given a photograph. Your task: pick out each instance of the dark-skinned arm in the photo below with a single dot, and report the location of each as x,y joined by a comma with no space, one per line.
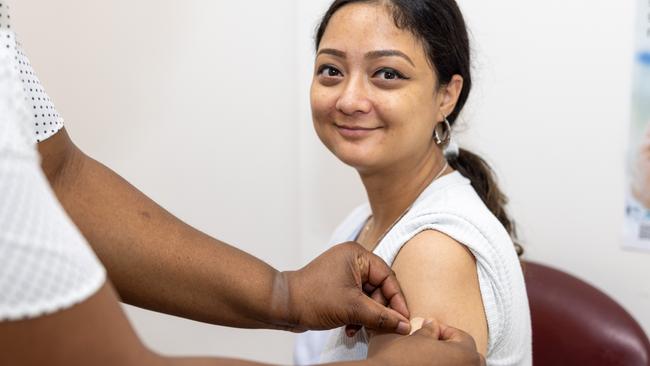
96,332
158,262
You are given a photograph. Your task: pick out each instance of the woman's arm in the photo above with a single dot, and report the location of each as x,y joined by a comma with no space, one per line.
439,280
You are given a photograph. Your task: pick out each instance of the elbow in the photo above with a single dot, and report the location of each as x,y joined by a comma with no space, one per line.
61,160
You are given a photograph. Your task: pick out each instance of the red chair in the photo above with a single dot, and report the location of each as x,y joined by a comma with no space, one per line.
575,324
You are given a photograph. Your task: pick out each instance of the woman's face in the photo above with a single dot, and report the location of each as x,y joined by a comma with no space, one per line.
374,96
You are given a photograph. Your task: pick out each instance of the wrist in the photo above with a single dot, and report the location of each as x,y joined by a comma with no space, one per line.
283,310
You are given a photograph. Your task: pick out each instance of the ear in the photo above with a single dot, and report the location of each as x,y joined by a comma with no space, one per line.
449,95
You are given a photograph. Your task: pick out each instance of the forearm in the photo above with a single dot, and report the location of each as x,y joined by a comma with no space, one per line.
158,262
70,336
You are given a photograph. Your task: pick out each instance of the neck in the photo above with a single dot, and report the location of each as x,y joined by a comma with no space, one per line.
392,191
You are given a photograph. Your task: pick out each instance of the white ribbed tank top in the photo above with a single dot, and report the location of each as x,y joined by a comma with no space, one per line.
451,206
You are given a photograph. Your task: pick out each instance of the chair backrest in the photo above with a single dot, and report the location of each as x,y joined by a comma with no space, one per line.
576,324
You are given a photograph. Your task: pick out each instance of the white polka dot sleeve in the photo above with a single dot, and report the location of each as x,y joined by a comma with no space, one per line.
45,263
44,119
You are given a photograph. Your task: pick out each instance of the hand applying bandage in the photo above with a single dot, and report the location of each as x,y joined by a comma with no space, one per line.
329,292
428,340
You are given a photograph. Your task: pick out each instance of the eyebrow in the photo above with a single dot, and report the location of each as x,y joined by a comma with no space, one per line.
331,51
370,55
389,53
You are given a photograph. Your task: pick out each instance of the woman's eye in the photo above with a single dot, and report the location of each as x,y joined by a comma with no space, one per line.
389,74
329,71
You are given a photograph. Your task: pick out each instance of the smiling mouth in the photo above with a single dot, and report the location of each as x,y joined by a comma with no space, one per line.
356,128
355,132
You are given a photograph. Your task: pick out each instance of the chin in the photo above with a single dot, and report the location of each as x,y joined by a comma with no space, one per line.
359,160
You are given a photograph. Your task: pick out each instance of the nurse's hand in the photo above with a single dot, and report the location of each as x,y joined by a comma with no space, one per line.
334,290
434,344
641,178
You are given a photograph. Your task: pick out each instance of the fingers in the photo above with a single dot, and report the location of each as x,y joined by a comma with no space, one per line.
375,316
416,324
445,333
438,330
381,277
378,296
368,288
451,334
430,328
396,302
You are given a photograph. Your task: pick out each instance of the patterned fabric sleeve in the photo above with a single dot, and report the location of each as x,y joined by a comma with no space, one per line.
44,120
45,263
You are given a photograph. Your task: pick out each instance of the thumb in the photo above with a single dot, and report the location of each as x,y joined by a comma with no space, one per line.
375,316
451,334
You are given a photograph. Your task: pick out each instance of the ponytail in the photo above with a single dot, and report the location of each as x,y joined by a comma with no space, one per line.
484,182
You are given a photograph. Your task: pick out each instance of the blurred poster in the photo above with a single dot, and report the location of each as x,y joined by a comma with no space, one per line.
637,210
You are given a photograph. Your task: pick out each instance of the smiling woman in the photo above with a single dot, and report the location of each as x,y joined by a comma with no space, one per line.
390,79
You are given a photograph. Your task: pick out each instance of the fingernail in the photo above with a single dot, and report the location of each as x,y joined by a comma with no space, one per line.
403,328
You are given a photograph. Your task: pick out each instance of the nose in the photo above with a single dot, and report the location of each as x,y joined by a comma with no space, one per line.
354,98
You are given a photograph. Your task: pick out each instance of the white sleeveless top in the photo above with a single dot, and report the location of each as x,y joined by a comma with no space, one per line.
45,263
451,206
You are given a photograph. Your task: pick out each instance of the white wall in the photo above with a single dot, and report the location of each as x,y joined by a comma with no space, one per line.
195,103
552,114
204,106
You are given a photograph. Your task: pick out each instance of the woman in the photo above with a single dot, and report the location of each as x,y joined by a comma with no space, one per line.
391,78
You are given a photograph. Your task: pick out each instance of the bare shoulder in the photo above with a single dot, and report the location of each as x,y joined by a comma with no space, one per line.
432,252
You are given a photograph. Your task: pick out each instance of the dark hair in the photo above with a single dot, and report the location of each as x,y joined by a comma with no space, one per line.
440,26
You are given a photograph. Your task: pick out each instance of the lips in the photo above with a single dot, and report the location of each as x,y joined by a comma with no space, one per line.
355,132
355,128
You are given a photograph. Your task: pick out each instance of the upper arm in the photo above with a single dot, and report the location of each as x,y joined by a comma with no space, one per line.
45,265
439,279
94,332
